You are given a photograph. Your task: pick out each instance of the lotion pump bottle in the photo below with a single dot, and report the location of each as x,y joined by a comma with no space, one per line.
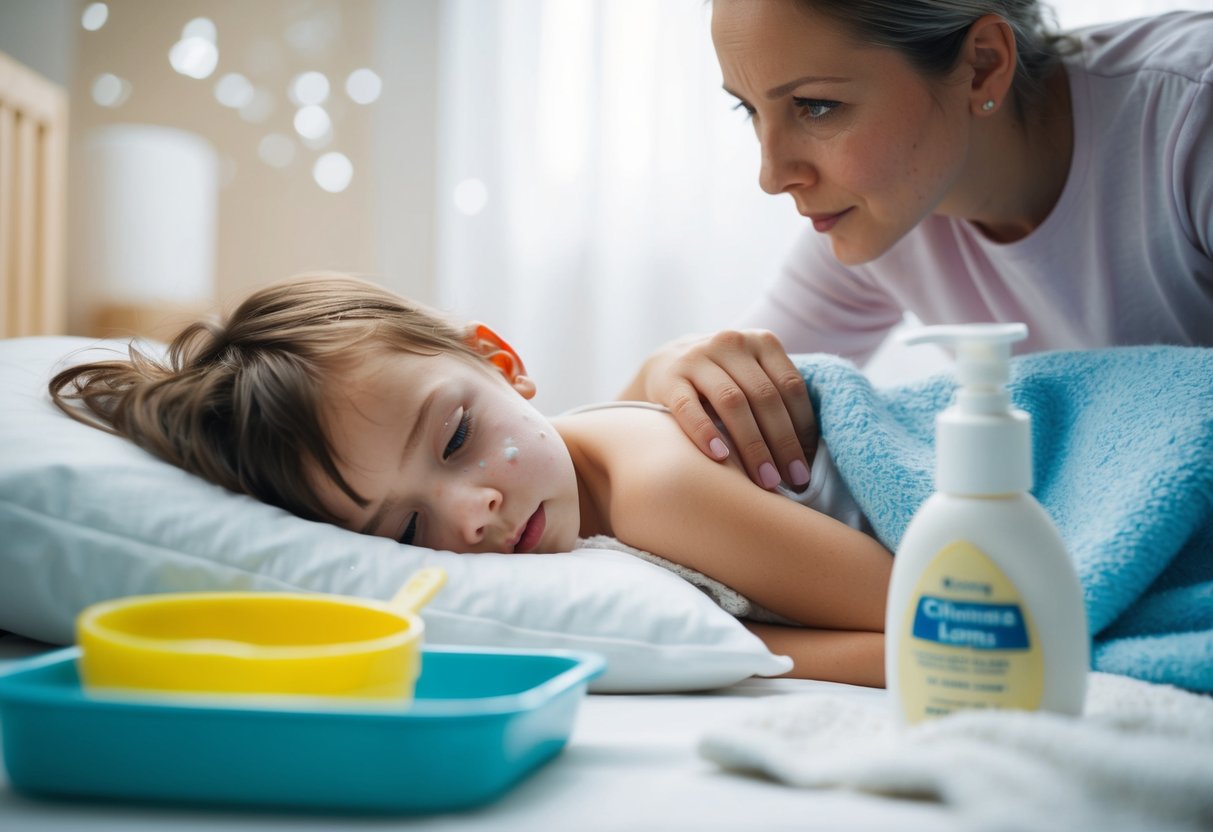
985,609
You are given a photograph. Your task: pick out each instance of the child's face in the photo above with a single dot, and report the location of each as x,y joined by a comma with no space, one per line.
450,456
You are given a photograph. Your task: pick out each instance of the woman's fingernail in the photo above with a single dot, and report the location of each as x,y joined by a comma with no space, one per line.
768,475
718,448
798,472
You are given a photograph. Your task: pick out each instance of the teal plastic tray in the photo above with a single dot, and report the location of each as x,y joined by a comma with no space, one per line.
481,720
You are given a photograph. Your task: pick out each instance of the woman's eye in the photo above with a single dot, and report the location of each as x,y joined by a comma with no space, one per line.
816,108
410,531
462,430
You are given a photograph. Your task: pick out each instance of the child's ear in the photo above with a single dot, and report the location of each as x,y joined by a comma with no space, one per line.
493,348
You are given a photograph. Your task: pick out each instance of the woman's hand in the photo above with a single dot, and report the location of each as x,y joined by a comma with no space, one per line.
747,380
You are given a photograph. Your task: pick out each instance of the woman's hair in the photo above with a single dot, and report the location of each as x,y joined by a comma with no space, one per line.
930,34
239,402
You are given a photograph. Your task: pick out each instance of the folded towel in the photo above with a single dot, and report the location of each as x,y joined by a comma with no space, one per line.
1122,443
1138,759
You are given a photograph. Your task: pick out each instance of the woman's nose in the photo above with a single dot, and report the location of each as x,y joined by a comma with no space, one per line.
784,165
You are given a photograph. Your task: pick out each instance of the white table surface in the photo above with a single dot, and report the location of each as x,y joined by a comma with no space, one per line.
630,765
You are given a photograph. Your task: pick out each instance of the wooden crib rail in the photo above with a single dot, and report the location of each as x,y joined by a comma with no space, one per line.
33,169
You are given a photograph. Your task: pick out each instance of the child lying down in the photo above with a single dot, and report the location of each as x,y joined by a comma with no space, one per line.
340,401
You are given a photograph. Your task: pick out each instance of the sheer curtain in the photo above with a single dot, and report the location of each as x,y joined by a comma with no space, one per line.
596,194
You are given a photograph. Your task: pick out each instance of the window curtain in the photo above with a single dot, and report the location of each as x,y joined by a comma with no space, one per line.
596,194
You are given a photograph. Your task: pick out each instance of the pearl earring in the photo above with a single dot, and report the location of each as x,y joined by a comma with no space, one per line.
988,106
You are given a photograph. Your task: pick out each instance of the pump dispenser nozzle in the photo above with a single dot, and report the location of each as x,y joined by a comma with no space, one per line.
983,445
982,350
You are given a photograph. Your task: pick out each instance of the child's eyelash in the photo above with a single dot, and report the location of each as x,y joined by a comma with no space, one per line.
410,531
460,436
462,431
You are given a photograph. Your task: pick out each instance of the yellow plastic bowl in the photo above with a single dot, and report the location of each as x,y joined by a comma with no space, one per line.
258,643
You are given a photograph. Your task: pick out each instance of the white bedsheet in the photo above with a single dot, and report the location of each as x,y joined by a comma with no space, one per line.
631,764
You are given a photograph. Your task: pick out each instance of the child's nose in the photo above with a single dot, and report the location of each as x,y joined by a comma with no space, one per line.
479,508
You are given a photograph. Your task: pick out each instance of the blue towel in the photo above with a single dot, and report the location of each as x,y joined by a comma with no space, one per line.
1122,444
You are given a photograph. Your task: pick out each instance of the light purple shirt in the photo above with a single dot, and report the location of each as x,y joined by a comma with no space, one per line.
1125,257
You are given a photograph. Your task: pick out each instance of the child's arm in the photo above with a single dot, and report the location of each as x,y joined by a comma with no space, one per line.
667,498
848,656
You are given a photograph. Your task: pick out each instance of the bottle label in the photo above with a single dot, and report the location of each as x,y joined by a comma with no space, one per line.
968,640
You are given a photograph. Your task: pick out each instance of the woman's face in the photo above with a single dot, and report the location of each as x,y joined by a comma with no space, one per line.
450,456
865,145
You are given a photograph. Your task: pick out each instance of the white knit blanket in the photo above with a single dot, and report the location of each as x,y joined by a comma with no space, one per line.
1140,758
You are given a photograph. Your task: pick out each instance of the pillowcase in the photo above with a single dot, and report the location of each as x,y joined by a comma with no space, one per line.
87,516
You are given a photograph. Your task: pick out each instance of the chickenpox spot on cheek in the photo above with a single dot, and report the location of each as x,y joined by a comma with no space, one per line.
481,463
510,450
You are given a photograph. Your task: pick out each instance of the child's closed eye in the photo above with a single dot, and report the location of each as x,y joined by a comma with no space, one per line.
462,431
410,531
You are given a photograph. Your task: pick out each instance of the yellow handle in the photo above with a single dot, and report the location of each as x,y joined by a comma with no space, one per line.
419,589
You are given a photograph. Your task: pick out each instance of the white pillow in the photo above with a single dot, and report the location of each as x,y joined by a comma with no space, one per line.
86,516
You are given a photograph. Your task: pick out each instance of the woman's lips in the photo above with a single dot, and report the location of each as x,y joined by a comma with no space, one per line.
824,222
533,532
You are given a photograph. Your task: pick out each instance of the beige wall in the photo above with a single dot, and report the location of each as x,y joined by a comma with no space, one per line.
277,222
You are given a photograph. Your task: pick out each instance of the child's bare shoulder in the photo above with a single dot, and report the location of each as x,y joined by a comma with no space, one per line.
634,443
619,431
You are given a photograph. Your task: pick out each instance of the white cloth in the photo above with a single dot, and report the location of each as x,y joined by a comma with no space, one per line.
1124,257
1140,758
827,492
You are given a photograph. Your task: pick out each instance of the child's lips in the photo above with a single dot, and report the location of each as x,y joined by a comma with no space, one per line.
532,533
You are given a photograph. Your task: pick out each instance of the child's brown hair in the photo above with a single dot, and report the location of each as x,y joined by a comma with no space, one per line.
239,402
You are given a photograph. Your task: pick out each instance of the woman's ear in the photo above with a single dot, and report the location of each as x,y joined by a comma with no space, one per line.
991,54
493,348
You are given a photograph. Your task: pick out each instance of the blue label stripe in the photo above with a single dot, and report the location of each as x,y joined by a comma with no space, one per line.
970,624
